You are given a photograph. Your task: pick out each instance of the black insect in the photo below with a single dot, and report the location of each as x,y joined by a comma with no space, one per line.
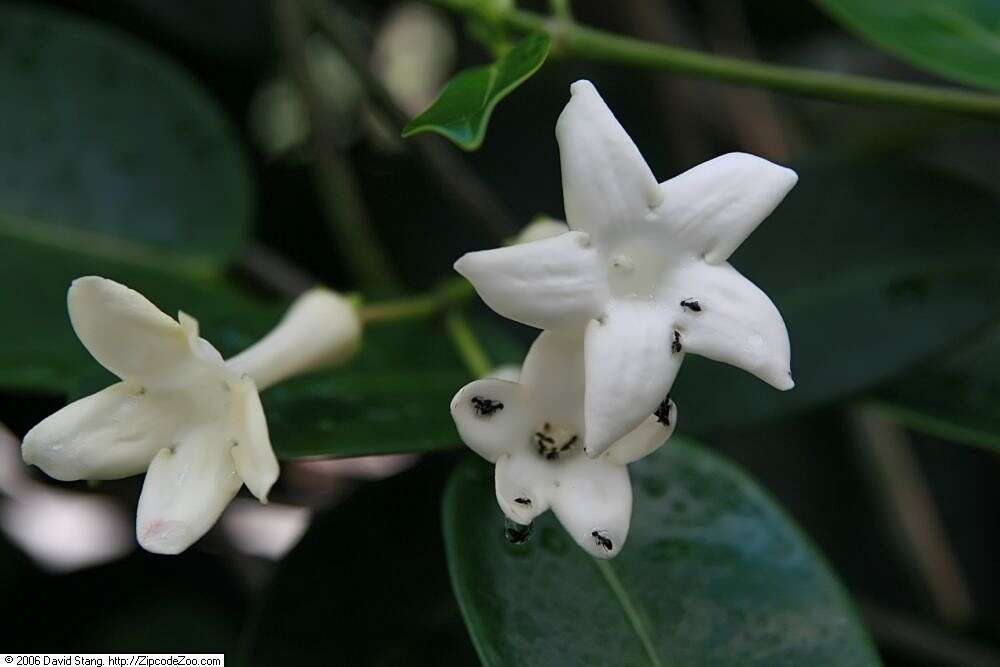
676,345
663,412
691,304
522,501
602,541
516,533
485,407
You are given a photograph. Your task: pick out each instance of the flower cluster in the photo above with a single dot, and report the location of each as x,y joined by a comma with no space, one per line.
638,279
188,419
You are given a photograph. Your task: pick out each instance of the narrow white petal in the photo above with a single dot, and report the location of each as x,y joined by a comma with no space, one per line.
184,494
606,181
630,368
491,417
524,482
108,435
550,284
553,378
646,439
254,458
713,207
130,336
737,323
594,503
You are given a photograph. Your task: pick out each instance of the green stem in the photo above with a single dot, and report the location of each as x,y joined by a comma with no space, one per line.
448,294
561,10
467,345
587,43
339,194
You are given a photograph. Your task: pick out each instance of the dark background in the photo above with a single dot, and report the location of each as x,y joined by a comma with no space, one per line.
815,464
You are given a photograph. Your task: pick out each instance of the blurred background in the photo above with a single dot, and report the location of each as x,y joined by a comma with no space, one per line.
883,259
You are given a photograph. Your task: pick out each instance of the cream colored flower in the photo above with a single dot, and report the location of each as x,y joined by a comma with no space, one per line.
192,421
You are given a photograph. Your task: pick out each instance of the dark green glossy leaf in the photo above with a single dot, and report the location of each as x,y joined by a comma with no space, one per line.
393,397
463,109
875,268
367,585
714,573
957,39
109,149
958,399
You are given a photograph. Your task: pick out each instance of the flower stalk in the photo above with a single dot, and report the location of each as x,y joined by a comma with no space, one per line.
578,41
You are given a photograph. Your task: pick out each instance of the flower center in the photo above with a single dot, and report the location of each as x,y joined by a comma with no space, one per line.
635,269
554,441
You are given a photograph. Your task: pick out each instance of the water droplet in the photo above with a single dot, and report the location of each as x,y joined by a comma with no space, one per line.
516,533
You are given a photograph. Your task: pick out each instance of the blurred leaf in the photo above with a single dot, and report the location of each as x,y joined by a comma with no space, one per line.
875,267
393,397
463,109
367,585
958,399
109,149
143,604
714,573
957,39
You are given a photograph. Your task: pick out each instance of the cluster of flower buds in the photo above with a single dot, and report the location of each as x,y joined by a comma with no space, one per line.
190,420
638,279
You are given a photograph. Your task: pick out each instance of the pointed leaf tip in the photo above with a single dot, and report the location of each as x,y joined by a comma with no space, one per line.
462,111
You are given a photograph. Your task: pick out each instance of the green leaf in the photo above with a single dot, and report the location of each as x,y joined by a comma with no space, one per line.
392,398
713,573
367,585
875,267
463,109
109,149
957,39
958,399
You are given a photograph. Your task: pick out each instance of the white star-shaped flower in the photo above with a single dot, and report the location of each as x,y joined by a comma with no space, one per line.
191,421
533,430
644,270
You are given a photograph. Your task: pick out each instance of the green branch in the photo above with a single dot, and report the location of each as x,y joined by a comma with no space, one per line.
447,295
576,41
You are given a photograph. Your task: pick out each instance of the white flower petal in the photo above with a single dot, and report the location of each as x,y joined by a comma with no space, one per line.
130,336
491,416
737,323
185,491
606,181
523,483
553,378
644,440
594,503
254,458
550,284
321,328
630,368
108,435
541,228
713,207
508,372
